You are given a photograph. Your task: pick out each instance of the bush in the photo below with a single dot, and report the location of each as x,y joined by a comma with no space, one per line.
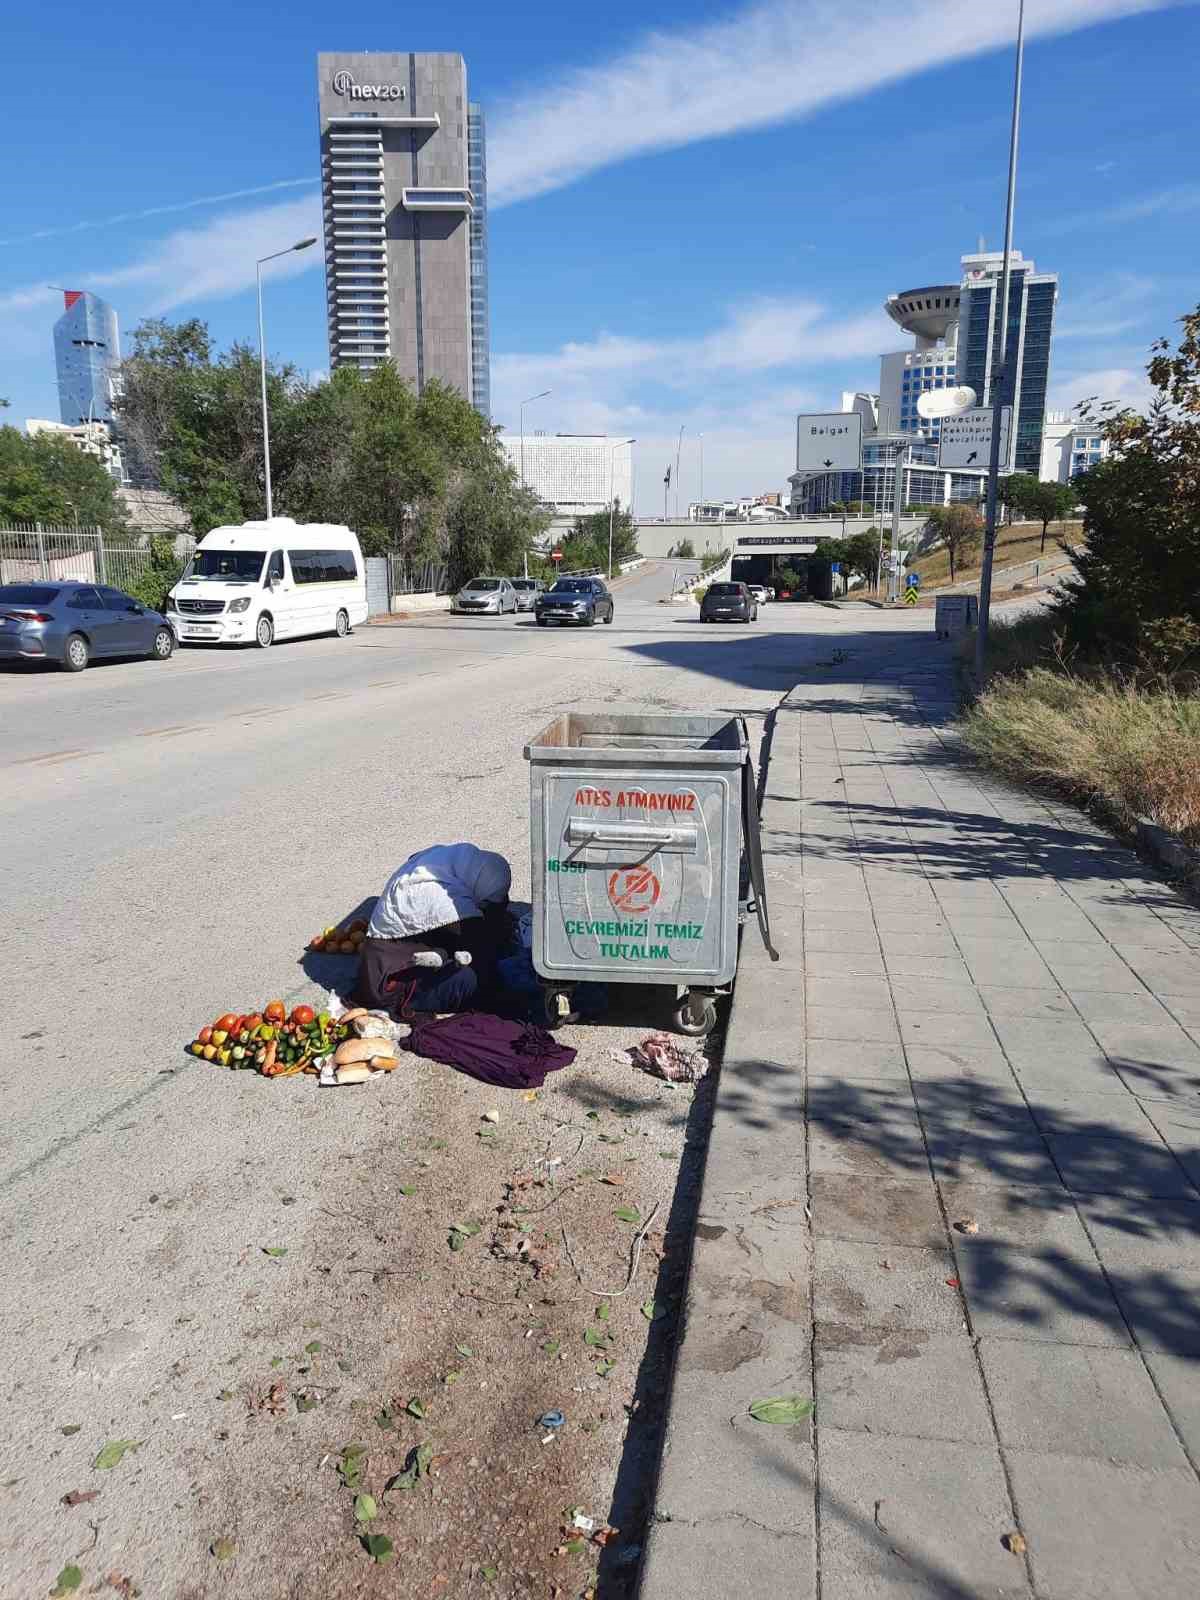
152,586
1138,748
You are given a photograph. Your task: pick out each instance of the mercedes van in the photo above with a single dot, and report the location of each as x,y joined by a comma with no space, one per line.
262,581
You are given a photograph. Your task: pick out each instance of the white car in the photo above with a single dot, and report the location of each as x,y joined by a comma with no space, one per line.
484,597
260,581
761,593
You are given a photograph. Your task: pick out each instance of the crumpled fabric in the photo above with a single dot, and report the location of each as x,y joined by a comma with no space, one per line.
443,884
508,1055
663,1056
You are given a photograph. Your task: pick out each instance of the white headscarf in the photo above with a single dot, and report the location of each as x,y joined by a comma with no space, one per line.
446,883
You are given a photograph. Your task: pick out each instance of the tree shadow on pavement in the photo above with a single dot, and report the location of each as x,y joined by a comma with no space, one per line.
1083,1216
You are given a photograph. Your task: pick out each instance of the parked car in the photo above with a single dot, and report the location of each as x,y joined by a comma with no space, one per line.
728,602
74,623
528,590
257,582
760,592
585,600
487,597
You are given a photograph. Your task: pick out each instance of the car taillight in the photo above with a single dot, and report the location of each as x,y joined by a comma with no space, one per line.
28,616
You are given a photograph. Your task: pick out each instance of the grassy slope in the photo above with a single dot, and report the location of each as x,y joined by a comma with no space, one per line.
1015,543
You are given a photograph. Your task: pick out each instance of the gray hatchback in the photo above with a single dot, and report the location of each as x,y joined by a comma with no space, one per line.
71,624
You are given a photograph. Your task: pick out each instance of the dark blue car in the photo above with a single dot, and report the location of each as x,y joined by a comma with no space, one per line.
71,624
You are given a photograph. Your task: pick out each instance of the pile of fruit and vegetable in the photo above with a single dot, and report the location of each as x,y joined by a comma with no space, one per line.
345,1049
340,941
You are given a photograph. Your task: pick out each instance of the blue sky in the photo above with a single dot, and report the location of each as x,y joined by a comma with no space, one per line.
697,208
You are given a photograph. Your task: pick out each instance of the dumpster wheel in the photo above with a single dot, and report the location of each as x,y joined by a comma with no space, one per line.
695,1015
558,1008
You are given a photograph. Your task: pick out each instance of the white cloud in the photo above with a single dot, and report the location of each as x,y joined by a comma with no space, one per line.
1178,201
1125,386
1111,307
772,62
740,384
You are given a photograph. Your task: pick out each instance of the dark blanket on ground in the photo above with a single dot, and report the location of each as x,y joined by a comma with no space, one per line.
510,1055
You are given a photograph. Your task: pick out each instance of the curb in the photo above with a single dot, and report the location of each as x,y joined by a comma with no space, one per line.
727,1515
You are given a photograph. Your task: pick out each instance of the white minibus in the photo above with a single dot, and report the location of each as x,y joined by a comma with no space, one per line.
262,581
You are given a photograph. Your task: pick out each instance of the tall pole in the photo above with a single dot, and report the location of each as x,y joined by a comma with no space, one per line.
897,496
701,474
301,244
612,504
262,372
1000,371
678,450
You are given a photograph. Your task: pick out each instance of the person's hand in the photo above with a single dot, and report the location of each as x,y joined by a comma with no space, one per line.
463,957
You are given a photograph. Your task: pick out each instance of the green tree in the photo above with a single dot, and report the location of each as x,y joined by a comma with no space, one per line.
960,528
685,550
1040,502
1137,593
862,555
587,543
48,479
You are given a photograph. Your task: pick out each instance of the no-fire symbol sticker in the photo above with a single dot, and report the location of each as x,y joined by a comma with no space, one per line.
634,890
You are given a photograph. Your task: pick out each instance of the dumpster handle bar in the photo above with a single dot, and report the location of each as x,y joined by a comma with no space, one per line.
583,832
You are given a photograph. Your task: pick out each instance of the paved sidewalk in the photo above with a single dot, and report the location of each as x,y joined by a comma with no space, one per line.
976,1241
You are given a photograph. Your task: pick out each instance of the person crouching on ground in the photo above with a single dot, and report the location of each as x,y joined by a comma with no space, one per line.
436,932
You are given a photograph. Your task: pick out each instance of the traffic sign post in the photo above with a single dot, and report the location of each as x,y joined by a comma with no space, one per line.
966,438
829,441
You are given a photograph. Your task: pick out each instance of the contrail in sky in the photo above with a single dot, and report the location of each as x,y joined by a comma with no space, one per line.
162,211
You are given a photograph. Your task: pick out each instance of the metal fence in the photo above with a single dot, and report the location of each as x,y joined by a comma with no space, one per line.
33,552
420,577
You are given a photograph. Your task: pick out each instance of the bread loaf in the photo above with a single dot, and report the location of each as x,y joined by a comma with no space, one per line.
353,1050
359,1072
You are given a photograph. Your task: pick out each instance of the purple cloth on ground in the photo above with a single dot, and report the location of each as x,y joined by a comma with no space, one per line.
509,1055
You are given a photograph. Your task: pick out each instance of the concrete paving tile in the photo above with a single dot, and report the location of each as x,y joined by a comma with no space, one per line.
885,1150
915,1518
1105,1532
1185,1008
879,1213
939,1030
1126,1232
1043,1220
929,1063
953,1108
1108,974
1178,1380
855,1058
1009,964
1176,972
1000,1153
725,1557
1047,1005
1178,1125
1158,1077
1067,1074
852,1286
901,921
1101,1115
848,1106
843,1022
843,938
1043,1038
1098,1006
1042,1293
844,963
1161,1304
933,995
904,964
909,1382
996,930
1077,1400
1129,1163
848,993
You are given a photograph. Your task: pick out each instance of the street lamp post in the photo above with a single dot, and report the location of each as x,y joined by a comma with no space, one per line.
701,474
1000,377
301,244
612,454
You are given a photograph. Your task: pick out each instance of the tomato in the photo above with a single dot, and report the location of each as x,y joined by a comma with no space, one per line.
228,1023
205,1036
303,1015
254,1020
274,1011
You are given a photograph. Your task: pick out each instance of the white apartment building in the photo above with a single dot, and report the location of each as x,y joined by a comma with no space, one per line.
1069,447
93,438
575,474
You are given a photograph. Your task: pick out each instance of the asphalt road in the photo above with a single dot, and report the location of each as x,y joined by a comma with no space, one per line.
172,835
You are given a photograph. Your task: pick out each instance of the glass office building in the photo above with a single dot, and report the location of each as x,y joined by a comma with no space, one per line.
1030,325
402,150
87,351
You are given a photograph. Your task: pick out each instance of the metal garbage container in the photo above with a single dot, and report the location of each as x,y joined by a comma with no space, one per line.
641,827
954,614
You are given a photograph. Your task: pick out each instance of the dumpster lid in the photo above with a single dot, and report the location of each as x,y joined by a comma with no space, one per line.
679,740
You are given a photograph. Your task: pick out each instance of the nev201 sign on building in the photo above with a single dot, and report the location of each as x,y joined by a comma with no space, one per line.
966,439
343,82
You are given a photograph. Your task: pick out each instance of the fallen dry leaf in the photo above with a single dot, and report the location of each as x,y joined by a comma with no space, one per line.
613,1178
123,1585
274,1400
80,1497
1014,1543
967,1225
